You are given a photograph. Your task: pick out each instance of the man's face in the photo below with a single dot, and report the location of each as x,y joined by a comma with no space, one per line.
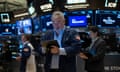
58,23
23,38
92,34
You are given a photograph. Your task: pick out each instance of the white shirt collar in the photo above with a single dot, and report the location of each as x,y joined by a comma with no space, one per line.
94,39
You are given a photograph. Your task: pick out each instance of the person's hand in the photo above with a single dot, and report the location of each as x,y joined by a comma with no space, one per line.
83,56
54,50
18,58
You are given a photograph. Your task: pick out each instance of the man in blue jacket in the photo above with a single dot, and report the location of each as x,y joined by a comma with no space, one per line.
62,58
26,62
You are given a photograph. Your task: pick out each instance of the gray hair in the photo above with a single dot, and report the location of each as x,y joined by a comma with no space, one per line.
58,14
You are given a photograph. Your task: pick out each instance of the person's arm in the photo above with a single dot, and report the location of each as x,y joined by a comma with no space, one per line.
56,50
83,56
26,53
100,52
73,44
44,37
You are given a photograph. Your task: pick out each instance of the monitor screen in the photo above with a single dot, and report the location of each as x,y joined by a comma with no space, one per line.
6,17
77,21
76,1
24,26
37,25
85,15
107,18
79,4
8,29
46,22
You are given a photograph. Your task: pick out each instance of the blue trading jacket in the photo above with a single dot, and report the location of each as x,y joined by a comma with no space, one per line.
25,55
67,63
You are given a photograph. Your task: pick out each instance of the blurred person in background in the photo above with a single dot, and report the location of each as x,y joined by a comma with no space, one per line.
27,59
94,56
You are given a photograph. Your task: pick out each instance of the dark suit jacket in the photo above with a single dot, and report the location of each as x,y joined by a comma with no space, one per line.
72,47
96,62
25,56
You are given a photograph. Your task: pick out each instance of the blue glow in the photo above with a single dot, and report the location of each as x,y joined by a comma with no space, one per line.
77,21
24,26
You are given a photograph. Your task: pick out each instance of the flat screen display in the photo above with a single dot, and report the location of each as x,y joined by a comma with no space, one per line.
76,1
24,26
77,21
37,25
8,29
87,16
6,17
46,22
107,18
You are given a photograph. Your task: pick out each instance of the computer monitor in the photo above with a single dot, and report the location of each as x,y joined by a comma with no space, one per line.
77,21
24,26
46,22
37,25
8,29
86,16
6,17
107,18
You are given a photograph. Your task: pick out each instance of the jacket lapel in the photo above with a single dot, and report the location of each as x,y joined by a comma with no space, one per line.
65,36
95,44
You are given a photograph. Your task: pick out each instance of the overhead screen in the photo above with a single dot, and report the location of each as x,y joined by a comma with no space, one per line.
36,25
79,4
46,22
76,1
6,17
107,18
77,21
81,18
8,29
24,26
94,4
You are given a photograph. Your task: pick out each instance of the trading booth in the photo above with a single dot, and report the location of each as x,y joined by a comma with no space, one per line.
79,14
